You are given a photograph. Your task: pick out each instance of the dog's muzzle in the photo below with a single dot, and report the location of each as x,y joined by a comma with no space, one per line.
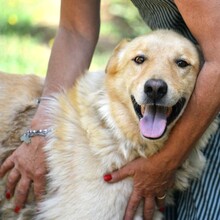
154,118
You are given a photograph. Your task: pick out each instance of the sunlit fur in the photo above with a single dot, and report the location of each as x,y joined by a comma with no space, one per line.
95,129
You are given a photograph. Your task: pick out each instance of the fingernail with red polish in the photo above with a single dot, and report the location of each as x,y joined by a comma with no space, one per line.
162,209
17,209
8,195
107,177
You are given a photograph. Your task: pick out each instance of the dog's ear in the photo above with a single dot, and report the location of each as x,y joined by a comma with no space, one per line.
112,64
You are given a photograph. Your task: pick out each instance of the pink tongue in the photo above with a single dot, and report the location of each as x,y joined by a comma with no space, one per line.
153,123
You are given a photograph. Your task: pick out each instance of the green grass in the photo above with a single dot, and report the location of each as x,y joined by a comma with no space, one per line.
27,29
23,55
26,33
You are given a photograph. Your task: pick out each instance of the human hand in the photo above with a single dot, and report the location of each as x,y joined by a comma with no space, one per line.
151,177
24,166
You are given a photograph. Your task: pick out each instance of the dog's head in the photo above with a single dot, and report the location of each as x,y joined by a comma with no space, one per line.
150,79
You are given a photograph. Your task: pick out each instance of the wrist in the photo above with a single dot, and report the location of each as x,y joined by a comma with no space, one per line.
41,118
167,160
171,159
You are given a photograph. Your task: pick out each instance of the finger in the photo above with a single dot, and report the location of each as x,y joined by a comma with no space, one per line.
39,187
21,192
12,180
6,166
149,208
119,174
132,205
160,198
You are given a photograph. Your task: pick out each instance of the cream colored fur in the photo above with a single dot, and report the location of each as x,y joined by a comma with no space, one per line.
95,129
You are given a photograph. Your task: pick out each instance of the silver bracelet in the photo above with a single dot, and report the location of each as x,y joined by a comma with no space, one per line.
26,137
42,98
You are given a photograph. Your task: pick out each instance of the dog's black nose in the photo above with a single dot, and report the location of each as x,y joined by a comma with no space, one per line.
155,89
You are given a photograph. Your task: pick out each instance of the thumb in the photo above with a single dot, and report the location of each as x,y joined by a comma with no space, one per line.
119,174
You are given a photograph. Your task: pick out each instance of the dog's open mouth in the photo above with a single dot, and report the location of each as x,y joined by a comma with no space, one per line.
154,119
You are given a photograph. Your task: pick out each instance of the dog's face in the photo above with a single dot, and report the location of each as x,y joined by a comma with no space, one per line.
150,80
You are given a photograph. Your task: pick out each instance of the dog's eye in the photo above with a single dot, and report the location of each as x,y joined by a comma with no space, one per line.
139,59
182,63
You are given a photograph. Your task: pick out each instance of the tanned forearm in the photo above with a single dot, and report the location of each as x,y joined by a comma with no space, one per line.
205,101
73,47
74,44
70,57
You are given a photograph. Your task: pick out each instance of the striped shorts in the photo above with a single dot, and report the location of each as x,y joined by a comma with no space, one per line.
202,200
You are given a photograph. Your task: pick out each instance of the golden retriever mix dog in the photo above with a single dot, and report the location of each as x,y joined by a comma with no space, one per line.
105,121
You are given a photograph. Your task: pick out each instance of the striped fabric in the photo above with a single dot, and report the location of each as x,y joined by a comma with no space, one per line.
162,14
205,192
202,200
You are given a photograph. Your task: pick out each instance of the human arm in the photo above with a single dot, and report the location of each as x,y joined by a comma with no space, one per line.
152,176
71,55
74,44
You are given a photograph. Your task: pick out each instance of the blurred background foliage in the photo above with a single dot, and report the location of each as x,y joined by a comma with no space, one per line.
28,28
